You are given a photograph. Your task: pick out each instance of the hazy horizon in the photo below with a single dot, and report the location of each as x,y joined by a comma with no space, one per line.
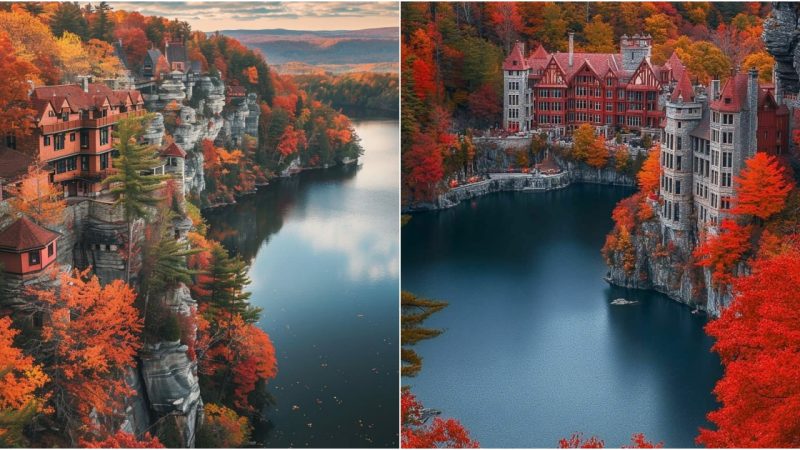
296,16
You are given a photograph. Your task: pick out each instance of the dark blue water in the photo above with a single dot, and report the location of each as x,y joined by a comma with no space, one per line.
324,253
532,349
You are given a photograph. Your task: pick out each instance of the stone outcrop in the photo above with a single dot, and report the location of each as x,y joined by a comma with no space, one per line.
663,262
781,36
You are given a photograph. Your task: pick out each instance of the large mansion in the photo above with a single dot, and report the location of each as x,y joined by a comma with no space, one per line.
72,133
706,139
559,91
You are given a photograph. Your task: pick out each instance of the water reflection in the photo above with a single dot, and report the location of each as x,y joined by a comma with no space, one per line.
323,248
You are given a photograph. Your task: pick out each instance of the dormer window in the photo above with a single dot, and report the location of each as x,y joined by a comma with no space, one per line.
727,100
65,116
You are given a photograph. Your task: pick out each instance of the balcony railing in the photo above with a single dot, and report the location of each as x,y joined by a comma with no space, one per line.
90,123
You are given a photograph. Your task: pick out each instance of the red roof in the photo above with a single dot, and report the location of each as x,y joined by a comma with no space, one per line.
24,235
173,149
734,94
80,100
684,90
540,53
515,60
600,63
237,91
675,63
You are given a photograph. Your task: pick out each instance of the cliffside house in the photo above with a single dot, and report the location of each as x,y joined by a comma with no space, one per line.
26,247
150,62
174,158
234,91
175,51
72,132
562,90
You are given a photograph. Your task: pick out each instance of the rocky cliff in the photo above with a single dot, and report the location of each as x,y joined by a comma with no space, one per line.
781,37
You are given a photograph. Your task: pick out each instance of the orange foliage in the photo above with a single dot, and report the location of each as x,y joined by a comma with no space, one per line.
649,176
761,188
252,74
290,141
757,338
122,439
20,378
15,109
93,333
597,154
224,428
723,252
439,433
248,352
38,199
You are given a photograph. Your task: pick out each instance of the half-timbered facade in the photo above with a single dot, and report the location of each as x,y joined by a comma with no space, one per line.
560,91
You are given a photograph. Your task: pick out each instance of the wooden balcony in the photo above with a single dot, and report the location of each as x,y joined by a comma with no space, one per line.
89,123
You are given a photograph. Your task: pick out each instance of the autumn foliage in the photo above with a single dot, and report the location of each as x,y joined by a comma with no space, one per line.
638,440
439,433
761,187
723,252
649,176
121,439
223,428
37,198
90,340
757,339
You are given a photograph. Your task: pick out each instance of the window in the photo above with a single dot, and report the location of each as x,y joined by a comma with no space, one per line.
678,160
727,159
727,119
51,249
59,141
677,212
47,141
84,139
84,163
34,259
11,141
725,203
65,116
677,187
104,131
72,137
726,179
727,137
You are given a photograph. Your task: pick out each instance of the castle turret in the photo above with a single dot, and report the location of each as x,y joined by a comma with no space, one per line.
634,49
517,96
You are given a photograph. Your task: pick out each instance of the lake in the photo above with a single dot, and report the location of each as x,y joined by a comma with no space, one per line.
323,248
532,349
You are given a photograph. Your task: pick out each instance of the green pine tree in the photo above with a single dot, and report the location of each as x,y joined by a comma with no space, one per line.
69,17
135,189
414,311
103,27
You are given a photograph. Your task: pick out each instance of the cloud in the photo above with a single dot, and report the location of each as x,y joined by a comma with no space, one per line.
254,15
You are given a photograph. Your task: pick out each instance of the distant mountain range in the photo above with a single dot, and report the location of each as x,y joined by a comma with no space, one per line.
373,49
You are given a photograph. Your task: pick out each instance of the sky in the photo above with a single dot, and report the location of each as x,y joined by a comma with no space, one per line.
213,16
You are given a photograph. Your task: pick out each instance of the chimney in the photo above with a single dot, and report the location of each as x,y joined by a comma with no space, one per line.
777,83
571,46
714,90
85,83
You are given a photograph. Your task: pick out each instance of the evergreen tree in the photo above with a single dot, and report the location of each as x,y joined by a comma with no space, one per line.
415,311
136,190
69,17
225,283
102,27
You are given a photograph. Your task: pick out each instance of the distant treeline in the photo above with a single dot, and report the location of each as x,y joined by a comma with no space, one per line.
354,92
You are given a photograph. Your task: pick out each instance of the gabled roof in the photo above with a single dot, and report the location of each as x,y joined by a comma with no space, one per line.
675,63
173,149
684,90
599,62
734,94
540,53
79,100
24,235
153,54
515,60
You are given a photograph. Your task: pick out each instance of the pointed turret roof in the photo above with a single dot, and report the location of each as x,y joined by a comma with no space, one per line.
24,235
515,60
540,53
684,90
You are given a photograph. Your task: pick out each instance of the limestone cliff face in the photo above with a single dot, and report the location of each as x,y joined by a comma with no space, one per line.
663,262
781,37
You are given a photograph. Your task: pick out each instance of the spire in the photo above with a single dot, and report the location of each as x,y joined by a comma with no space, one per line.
683,91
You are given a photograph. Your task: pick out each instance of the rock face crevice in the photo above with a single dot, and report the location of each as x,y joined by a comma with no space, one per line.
781,37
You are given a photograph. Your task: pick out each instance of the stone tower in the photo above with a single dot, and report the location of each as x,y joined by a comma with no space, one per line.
634,49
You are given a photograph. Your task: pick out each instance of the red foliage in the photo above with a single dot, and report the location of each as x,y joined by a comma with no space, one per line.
762,187
757,339
15,109
134,42
124,440
649,176
723,252
638,440
440,433
424,166
290,141
484,104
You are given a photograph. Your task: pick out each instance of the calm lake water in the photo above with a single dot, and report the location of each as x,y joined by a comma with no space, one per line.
532,349
324,253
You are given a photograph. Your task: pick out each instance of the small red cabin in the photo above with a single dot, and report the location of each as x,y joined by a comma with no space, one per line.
26,247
